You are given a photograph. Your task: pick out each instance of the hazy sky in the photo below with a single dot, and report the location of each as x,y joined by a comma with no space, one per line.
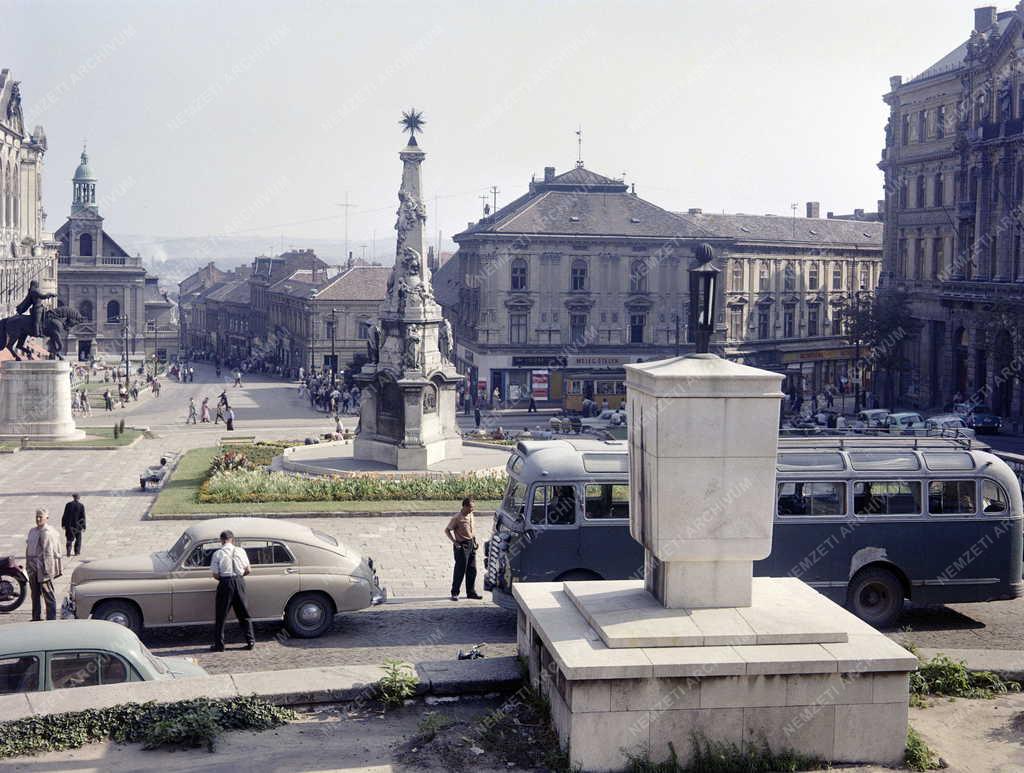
257,117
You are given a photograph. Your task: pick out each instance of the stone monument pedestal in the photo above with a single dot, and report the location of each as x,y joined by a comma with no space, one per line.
700,649
35,401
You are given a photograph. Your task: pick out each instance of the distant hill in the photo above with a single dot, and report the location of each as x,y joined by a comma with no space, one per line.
174,258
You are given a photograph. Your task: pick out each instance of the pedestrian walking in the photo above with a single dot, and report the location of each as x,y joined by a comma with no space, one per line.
219,417
238,378
108,400
204,411
156,388
532,407
231,419
42,559
73,523
476,416
192,413
463,538
83,398
230,565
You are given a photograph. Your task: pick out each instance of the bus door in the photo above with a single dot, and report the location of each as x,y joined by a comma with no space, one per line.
555,546
606,546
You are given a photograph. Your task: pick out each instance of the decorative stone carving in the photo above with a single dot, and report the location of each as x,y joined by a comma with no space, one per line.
445,340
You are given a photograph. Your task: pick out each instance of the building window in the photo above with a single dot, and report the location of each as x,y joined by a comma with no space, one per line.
812,276
788,321
920,192
736,323
922,126
364,330
637,277
85,245
940,122
812,319
763,316
837,277
517,328
578,280
905,133
992,257
578,329
763,277
637,322
113,311
518,274
919,258
329,328
737,275
940,193
901,198
865,278
85,309
789,278
938,256
901,257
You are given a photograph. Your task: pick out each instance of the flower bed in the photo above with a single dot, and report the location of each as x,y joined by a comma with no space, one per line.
241,485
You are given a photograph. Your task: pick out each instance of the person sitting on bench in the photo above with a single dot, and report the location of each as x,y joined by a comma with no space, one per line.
153,474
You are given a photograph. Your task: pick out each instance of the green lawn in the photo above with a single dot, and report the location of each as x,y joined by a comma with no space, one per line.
99,437
179,496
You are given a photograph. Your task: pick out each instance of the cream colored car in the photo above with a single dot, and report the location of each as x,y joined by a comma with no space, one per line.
299,575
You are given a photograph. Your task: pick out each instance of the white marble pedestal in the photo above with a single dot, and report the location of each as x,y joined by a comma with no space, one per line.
626,675
35,401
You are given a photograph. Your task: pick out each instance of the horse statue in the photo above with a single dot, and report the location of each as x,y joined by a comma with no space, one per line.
56,323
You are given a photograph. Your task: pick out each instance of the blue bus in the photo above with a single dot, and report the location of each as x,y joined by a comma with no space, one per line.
868,521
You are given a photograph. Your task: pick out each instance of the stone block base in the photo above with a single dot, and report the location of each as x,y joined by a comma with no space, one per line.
843,702
35,401
407,457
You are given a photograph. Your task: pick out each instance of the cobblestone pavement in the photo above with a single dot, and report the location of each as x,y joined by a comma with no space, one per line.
412,555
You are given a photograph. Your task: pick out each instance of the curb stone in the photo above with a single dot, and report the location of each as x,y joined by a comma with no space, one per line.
293,687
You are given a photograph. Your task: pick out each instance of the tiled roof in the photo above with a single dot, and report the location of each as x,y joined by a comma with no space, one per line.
359,283
788,230
233,290
297,284
447,282
589,205
954,60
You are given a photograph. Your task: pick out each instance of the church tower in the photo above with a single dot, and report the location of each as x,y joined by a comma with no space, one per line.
86,232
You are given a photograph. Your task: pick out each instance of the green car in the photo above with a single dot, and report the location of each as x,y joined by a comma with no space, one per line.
58,654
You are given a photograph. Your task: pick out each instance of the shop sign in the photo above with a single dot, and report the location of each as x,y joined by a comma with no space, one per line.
598,361
554,361
539,384
818,354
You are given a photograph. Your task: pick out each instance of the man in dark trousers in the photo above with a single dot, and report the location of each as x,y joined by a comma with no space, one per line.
229,565
463,538
73,523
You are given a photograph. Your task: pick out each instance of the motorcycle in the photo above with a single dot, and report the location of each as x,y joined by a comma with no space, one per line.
13,584
476,652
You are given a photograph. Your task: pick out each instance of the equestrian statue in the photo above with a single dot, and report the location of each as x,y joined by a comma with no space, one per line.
40,322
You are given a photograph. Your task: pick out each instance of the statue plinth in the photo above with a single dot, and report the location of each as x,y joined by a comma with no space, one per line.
35,401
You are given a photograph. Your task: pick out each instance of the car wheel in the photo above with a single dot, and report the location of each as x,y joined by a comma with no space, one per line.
121,612
578,574
876,597
309,615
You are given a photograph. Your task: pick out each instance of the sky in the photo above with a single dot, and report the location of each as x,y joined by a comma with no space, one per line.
263,117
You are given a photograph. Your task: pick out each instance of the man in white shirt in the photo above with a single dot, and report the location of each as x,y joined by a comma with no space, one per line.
229,565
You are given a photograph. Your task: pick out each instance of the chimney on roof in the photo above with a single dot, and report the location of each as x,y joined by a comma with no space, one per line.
813,209
830,215
858,214
549,174
881,206
695,211
984,18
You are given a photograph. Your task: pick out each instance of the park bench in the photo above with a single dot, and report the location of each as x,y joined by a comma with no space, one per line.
158,474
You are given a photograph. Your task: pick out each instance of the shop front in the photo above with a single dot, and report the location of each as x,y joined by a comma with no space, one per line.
813,372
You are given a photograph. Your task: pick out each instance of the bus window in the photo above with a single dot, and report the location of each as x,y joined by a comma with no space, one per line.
515,498
607,500
993,498
884,460
951,497
807,498
887,497
554,506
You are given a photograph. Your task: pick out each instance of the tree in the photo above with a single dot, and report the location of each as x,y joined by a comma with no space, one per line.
880,324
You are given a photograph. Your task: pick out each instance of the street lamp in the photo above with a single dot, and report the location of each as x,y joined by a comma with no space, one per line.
123,319
858,371
334,360
704,296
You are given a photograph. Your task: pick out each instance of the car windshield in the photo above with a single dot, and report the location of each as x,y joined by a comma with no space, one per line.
515,498
156,662
178,550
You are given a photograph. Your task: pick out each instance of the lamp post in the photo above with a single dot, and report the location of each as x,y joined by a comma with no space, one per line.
123,319
704,296
858,370
677,332
334,361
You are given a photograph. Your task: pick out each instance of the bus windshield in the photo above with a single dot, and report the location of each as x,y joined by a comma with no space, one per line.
515,498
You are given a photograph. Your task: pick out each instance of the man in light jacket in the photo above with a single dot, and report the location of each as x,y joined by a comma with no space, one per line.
229,565
42,561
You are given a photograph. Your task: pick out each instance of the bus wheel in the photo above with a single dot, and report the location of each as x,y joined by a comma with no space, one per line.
578,574
876,597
